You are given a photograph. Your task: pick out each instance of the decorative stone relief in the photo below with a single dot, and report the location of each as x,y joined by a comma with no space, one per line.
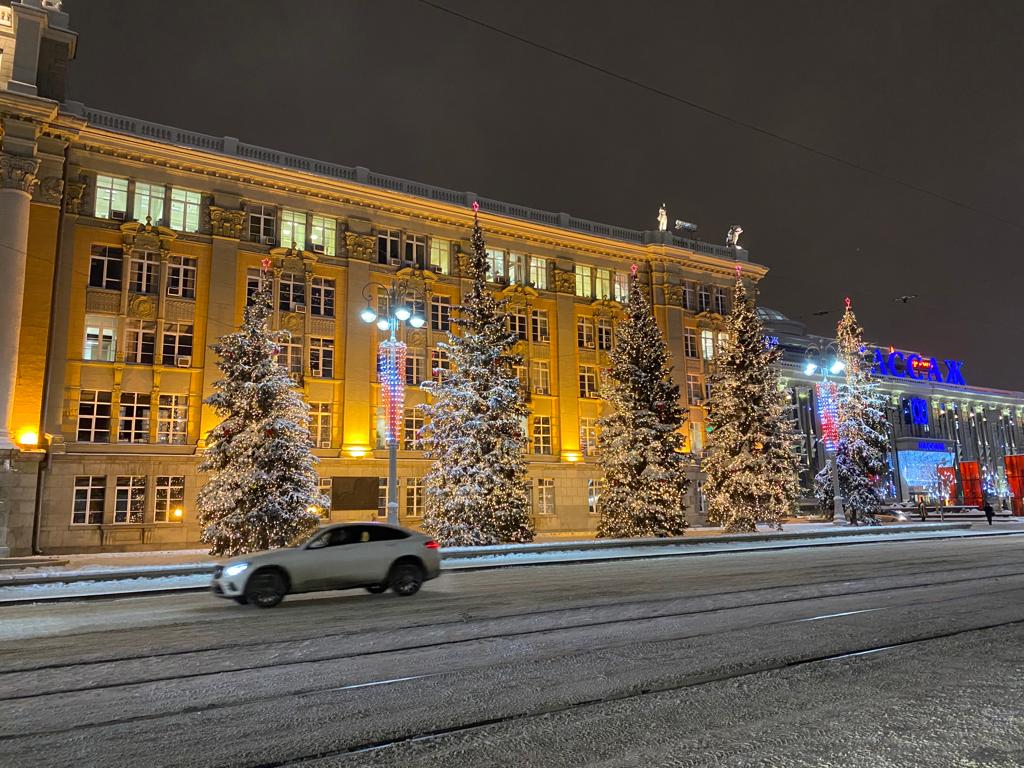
181,311
291,322
462,263
322,326
50,190
102,301
564,280
225,222
74,196
417,338
674,295
18,172
146,237
142,306
360,247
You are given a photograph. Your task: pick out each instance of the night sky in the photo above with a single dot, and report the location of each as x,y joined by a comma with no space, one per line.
931,93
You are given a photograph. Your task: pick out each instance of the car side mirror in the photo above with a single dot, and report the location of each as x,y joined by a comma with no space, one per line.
319,543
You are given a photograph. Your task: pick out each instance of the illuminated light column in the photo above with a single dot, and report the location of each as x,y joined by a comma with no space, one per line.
17,178
828,416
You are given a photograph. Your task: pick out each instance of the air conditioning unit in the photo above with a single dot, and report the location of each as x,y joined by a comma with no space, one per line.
319,248
394,261
296,307
119,215
325,443
540,390
435,268
268,240
501,280
316,373
183,361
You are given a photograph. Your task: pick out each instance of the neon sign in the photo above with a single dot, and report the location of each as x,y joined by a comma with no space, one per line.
931,445
897,365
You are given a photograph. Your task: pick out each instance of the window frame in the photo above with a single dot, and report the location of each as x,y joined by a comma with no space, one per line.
133,420
293,228
189,205
540,376
95,495
126,505
182,276
541,441
105,196
96,405
172,419
168,494
441,313
139,335
149,196
322,296
323,232
589,382
323,347
102,324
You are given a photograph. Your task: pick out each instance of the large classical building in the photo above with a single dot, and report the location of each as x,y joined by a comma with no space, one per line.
129,247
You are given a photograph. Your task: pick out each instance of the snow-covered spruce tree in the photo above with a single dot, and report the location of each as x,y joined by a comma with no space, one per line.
262,482
639,443
749,460
861,455
476,490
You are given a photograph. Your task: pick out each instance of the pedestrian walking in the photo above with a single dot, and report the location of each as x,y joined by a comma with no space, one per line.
922,510
989,513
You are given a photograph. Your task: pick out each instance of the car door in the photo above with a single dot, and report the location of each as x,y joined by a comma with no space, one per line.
311,566
384,547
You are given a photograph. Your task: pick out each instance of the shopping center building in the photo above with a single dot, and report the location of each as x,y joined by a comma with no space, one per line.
130,247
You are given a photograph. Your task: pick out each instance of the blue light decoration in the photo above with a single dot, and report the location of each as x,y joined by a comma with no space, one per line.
771,341
931,445
828,413
391,367
897,365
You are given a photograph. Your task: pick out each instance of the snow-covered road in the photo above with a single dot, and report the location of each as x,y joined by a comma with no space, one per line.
738,659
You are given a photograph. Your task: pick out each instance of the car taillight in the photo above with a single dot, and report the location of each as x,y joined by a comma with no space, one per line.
432,545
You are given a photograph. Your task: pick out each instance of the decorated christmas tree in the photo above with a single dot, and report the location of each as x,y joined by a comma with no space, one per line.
862,450
262,488
476,490
639,444
749,460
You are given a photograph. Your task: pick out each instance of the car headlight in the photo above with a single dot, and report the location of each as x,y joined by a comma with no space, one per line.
234,570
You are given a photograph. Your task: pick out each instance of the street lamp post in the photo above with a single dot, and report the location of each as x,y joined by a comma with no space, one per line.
825,392
391,368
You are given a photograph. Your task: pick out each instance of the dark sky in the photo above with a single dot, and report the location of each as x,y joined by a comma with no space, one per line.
929,92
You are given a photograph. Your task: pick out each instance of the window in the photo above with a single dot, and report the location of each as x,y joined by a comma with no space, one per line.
495,264
134,423
707,344
323,232
321,297
621,287
694,390
517,324
105,265
100,338
595,487
588,436
382,497
696,437
169,492
262,224
388,242
185,206
90,496
181,277
111,198
585,332
139,341
588,381
290,356
416,250
690,341
603,283
291,292
519,371
539,325
383,301
143,272
545,496
415,305
293,229
703,299
93,416
253,281
541,377
414,364
539,272
720,301
149,202
440,313
707,391
440,255
584,281
326,485
517,267
177,342
413,423
722,340
689,301
440,365
130,499
605,335
172,419
542,435
321,357
414,487
320,424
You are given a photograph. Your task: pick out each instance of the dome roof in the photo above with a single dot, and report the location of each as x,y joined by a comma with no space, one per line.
766,313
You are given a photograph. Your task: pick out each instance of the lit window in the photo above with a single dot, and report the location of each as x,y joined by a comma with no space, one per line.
321,357
413,423
416,251
696,437
517,267
100,338
130,499
90,498
723,340
292,292
694,390
293,229
605,334
621,287
595,487
414,488
388,242
93,416
585,333
185,205
111,198
690,340
320,424
139,341
707,344
133,426
588,436
172,419
495,265
545,496
542,435
323,232
262,224
540,377
440,255
321,297
169,498
603,283
177,344
539,272
588,381
143,271
149,202
181,277
584,281
105,266
539,325
440,313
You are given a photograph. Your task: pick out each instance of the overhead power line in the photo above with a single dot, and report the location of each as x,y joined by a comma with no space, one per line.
721,115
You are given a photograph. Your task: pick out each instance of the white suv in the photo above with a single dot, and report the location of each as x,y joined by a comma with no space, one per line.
369,555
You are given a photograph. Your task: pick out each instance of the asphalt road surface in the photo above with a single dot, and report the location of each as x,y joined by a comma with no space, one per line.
896,654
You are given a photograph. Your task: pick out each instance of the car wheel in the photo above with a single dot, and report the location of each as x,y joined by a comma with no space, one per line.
376,589
265,590
241,600
406,579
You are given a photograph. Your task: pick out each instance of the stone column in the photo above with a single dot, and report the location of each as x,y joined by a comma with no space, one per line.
17,178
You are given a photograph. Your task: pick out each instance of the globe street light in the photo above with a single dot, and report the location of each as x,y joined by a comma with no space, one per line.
391,371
